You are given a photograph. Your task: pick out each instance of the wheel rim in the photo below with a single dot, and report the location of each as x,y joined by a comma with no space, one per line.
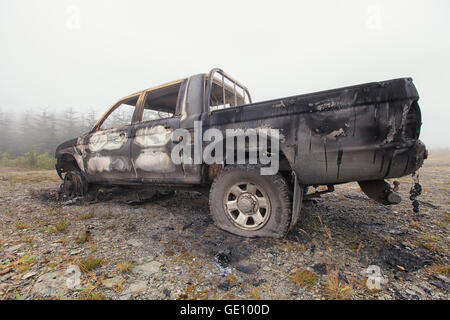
247,205
74,185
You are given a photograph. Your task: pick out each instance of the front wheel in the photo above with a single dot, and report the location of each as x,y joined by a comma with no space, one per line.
246,203
74,185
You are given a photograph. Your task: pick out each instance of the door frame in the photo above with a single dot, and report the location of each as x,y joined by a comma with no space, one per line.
113,176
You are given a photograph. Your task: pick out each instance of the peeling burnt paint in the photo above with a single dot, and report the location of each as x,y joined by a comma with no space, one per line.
108,140
153,137
154,161
98,164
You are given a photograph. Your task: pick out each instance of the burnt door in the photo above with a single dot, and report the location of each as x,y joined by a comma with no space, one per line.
107,150
108,155
152,152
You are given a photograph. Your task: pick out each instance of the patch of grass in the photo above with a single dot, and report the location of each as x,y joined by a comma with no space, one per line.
119,287
42,223
20,225
287,245
30,240
430,237
232,279
47,229
27,263
93,246
91,295
61,226
430,242
52,266
304,278
193,293
125,266
336,288
85,237
415,224
55,211
88,215
441,269
10,213
64,240
169,253
228,296
255,294
183,296
441,224
22,264
106,214
89,264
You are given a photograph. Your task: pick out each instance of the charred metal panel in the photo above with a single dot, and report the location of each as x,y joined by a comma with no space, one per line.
192,101
350,134
106,154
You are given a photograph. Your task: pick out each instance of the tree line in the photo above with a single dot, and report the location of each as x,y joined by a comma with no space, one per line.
31,134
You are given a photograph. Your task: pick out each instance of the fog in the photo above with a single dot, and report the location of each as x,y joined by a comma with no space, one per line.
84,55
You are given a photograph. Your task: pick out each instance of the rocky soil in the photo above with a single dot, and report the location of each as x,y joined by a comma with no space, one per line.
168,248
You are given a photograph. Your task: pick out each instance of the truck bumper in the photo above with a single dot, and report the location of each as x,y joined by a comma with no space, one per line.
360,164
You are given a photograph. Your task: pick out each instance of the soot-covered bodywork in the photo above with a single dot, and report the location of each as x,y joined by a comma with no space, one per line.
363,133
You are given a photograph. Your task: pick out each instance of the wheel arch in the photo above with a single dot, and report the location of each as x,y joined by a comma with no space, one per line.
66,162
286,158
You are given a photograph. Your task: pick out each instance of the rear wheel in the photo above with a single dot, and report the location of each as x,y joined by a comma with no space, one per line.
246,203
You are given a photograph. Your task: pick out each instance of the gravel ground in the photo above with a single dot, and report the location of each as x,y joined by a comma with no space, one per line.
169,248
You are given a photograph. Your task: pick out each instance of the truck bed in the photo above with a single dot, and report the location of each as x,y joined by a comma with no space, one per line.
356,133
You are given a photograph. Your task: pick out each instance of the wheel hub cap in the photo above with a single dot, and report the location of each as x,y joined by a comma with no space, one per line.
247,205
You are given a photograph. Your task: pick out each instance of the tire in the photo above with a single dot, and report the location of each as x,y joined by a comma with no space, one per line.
261,208
74,185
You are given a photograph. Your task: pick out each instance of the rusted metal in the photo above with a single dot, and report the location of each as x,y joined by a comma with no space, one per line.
213,171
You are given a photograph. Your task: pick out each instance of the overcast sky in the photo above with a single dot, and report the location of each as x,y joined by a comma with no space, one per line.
56,54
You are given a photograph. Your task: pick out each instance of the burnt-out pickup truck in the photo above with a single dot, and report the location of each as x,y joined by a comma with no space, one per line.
181,135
